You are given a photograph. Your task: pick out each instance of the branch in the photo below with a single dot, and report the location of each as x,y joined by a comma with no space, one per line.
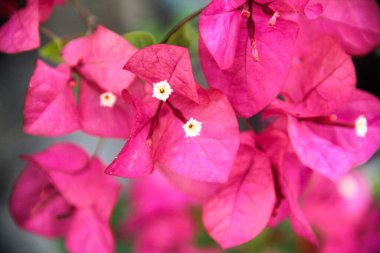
89,19
180,25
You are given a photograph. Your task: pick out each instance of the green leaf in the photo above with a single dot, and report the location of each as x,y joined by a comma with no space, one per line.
140,39
187,37
51,51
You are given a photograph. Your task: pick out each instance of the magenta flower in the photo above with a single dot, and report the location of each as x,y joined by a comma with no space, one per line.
63,192
336,210
290,178
50,107
98,59
246,51
354,23
160,225
20,31
184,128
242,207
330,133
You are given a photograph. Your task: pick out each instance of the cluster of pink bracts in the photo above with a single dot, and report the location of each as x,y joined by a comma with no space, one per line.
288,59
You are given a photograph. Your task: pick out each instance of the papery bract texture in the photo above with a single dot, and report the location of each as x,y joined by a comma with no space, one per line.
242,207
113,121
165,63
100,58
159,138
50,108
209,156
334,150
89,234
291,176
20,32
346,201
354,23
135,158
252,81
313,84
36,212
64,192
160,225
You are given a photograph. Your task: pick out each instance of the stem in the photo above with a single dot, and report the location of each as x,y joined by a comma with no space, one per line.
180,25
88,18
99,146
51,35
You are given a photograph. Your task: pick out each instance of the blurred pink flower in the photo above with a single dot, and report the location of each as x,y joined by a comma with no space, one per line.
64,192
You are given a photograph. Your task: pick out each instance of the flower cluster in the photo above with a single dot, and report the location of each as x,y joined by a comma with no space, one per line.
286,59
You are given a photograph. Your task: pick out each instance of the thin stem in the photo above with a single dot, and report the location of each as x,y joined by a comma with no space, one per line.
99,146
49,34
88,18
180,25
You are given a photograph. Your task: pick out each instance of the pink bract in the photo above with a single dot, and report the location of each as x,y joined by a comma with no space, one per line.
291,177
20,32
158,63
60,193
100,58
253,70
50,108
242,207
313,84
354,23
158,138
333,150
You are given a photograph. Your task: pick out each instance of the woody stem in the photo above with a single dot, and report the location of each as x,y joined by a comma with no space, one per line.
180,25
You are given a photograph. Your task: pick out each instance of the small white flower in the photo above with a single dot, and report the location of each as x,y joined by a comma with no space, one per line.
361,127
162,90
107,99
192,127
348,187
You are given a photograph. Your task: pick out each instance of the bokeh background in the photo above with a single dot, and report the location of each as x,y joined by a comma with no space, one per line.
122,16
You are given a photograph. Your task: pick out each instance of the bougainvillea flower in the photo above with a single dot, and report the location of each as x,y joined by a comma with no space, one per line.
330,133
163,139
313,84
354,23
290,178
98,59
63,192
242,207
336,209
20,31
160,225
243,55
50,107
333,145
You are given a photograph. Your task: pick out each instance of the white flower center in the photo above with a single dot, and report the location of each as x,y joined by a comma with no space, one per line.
192,127
348,187
361,127
107,99
162,90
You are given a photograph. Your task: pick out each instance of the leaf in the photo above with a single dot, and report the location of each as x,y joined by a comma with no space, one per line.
140,39
187,37
51,51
